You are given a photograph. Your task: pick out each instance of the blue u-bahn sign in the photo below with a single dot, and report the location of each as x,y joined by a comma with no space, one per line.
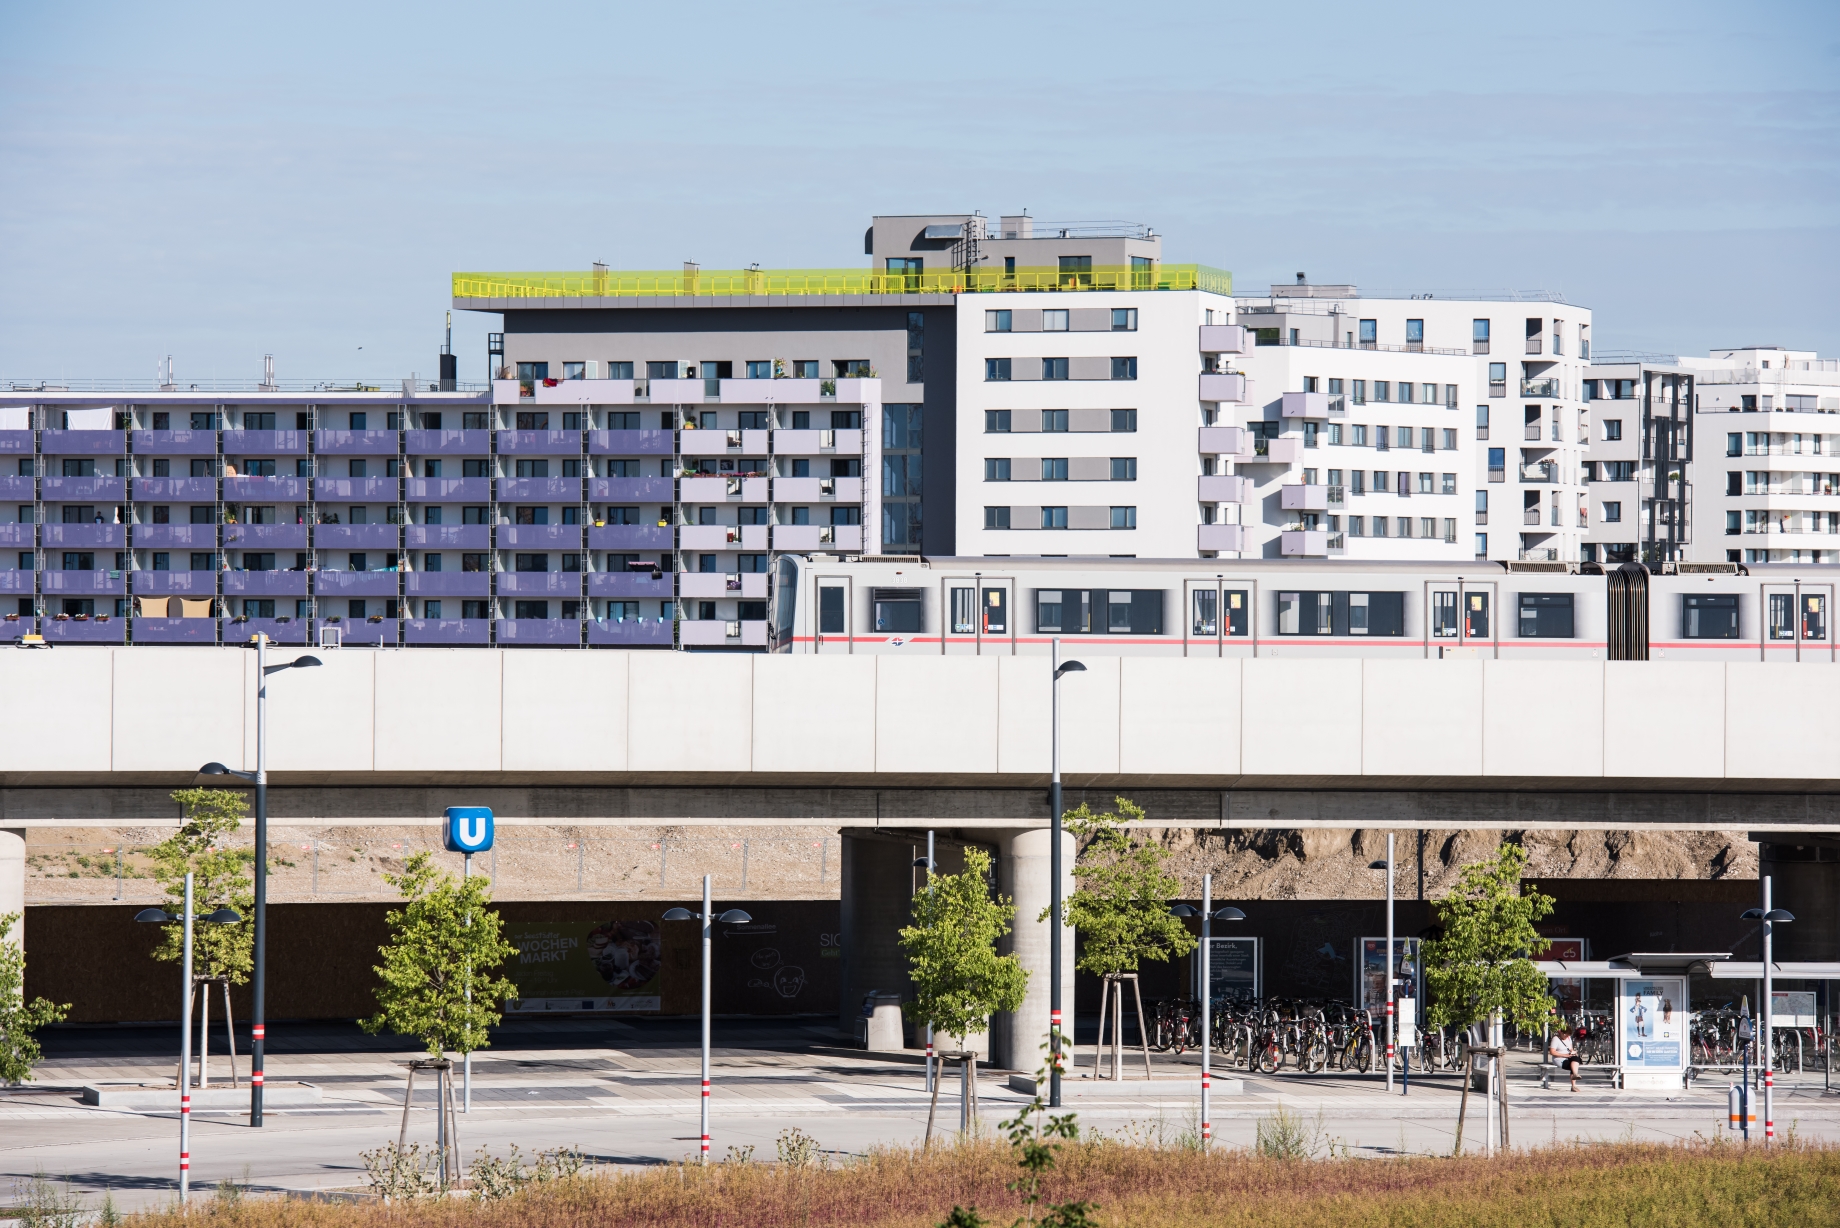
469,829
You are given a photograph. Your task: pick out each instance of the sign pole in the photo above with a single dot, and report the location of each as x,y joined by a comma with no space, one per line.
469,830
1207,999
466,1059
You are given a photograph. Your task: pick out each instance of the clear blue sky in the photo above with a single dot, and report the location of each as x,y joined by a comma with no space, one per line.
220,181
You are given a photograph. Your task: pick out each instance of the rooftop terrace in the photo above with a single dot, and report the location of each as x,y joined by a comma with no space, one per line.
601,282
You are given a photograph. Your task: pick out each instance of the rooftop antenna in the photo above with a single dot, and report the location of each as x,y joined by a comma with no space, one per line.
268,373
450,366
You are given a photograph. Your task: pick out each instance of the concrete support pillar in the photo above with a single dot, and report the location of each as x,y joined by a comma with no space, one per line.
13,877
1023,874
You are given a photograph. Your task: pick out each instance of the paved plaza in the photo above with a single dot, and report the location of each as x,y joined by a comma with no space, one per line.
625,1092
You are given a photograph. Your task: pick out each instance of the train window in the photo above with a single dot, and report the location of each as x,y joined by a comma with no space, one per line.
1205,620
1546,616
1135,612
830,610
964,611
786,597
1782,616
1306,613
1814,617
1239,606
1376,613
1064,610
897,609
1476,616
1709,616
1444,615
996,611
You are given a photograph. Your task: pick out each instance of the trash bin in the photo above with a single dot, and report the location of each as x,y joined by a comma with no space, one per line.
880,1028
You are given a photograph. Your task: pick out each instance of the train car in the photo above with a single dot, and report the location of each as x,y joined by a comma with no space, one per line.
1219,607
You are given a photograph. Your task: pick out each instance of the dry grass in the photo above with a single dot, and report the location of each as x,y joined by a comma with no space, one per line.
1144,1187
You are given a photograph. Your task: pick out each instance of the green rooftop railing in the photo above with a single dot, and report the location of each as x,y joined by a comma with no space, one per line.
621,283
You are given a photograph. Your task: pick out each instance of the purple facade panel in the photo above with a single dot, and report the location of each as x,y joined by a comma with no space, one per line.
17,441
265,583
539,490
13,626
630,443
18,534
355,490
355,583
356,536
447,631
149,630
631,634
16,489
265,443
86,536
88,631
629,537
450,490
629,584
449,584
18,581
257,536
176,583
539,632
83,583
280,630
246,489
182,536
175,443
631,490
540,443
355,443
539,537
83,443
448,443
539,583
366,630
84,490
178,490
449,536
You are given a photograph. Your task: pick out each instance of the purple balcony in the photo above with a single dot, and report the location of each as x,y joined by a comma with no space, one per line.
539,584
355,583
448,583
540,632
83,583
12,627
539,537
180,536
15,489
18,581
628,584
631,633
355,490
450,490
355,443
356,536
540,443
84,490
364,631
539,490
89,631
83,443
449,536
177,490
265,583
21,441
630,490
265,443
175,583
448,443
153,630
280,630
175,443
17,534
630,443
629,537
246,489
257,536
447,631
86,536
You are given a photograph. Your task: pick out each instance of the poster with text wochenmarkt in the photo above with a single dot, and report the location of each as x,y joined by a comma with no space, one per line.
584,966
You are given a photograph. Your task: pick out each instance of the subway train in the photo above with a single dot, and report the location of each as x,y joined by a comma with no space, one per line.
1221,607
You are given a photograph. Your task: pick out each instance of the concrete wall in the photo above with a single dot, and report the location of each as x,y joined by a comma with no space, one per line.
96,715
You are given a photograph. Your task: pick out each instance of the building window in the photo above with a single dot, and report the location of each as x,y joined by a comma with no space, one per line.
996,321
1124,420
1415,332
1613,512
1124,468
1405,392
1053,517
996,421
996,369
1479,336
1546,616
1053,421
1482,545
1450,439
1124,368
1309,383
996,469
916,346
1498,379
1054,320
1054,469
1124,518
1448,484
1124,319
1370,333
1357,526
1360,392
1054,368
1613,429
996,518
1382,390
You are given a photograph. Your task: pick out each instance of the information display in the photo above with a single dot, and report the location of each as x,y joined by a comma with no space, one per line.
1233,967
1652,1024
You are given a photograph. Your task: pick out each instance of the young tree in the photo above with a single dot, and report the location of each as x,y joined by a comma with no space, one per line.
444,942
1121,907
1478,965
959,979
221,878
19,1052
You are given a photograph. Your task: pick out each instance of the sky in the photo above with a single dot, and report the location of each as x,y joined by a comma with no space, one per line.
222,181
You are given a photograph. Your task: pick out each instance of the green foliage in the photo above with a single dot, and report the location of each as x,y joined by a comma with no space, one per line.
959,979
221,878
401,1174
493,1178
40,1203
1121,906
19,1051
443,942
1479,964
797,1149
1033,1140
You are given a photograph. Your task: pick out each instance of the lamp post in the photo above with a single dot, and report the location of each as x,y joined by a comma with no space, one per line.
930,866
259,977
1208,916
1387,865
733,916
160,916
1054,872
1770,917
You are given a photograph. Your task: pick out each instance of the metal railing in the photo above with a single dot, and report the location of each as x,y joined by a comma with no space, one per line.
390,387
1544,388
613,283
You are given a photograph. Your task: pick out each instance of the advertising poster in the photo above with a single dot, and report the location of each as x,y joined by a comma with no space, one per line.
1567,991
1652,1018
1372,973
584,966
1233,967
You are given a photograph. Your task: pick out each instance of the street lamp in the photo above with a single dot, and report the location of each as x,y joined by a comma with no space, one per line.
733,916
259,777
1770,917
159,916
1207,916
1387,865
1054,872
931,867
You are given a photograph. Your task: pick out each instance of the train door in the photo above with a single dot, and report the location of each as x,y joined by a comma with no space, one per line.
1461,618
1217,618
834,608
981,614
1795,622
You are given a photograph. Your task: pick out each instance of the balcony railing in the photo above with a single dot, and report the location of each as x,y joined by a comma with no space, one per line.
1546,389
1539,473
622,283
1533,345
1540,554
